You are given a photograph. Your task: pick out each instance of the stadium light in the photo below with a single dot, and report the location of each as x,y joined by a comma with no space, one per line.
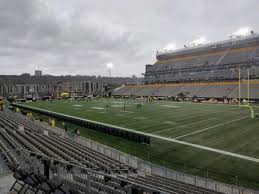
244,31
198,41
109,66
169,47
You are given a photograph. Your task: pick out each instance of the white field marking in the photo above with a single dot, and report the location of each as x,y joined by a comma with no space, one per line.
234,105
126,111
154,120
211,127
227,153
163,138
119,105
119,115
185,125
98,108
172,127
78,105
244,157
118,102
103,112
170,122
189,124
170,106
140,118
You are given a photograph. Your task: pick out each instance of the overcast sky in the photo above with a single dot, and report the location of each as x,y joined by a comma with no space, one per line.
81,36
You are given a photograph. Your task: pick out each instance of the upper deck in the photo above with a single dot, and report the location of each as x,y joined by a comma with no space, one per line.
241,42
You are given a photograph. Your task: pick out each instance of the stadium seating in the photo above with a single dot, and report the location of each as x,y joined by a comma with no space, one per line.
216,91
220,90
75,168
58,148
254,92
189,90
121,90
205,63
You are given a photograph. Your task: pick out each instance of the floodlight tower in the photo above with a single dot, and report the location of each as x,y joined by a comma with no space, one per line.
109,66
108,88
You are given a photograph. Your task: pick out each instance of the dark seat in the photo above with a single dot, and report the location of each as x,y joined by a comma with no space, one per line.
50,186
33,183
72,191
20,175
62,190
40,178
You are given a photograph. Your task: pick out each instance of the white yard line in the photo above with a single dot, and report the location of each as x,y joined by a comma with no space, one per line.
193,123
140,118
98,108
234,120
216,150
170,106
227,153
185,125
125,111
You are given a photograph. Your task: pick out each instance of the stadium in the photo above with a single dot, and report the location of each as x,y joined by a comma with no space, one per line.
207,71
185,130
188,125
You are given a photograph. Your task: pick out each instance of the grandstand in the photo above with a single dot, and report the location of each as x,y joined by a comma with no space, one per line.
43,160
206,71
217,90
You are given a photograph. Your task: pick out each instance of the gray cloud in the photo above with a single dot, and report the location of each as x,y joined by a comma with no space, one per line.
80,37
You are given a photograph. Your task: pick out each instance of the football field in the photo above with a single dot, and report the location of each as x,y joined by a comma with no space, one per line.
200,138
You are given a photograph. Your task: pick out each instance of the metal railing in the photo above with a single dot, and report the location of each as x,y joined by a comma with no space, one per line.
76,177
147,168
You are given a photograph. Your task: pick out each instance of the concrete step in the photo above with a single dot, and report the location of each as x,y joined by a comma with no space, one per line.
6,182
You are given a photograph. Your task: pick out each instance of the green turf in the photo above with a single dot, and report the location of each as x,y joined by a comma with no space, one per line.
174,119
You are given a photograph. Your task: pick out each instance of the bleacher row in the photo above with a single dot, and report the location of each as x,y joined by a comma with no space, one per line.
214,66
54,146
203,90
74,168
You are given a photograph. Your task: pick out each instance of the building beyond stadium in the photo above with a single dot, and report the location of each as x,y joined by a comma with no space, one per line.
25,85
206,71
